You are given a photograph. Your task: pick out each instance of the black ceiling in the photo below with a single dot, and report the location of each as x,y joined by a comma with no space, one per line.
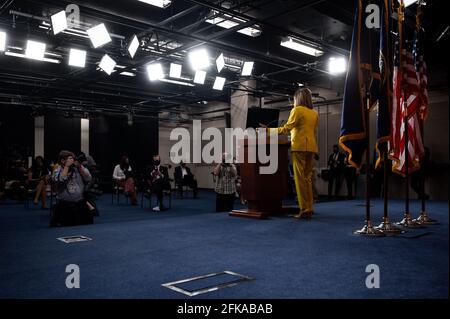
171,32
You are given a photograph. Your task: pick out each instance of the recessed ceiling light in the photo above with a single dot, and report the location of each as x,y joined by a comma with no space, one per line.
2,41
158,3
337,65
301,46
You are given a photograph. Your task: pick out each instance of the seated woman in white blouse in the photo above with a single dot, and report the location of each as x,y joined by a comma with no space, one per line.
123,175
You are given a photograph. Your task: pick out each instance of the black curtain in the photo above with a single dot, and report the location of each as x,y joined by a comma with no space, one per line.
111,137
61,133
16,132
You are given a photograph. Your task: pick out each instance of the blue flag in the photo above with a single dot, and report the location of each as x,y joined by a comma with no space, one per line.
363,75
384,97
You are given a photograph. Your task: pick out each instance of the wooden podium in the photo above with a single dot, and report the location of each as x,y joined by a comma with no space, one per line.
264,192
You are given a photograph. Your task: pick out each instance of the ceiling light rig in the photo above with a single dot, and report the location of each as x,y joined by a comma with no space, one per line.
158,3
2,41
133,46
107,64
199,59
99,35
301,46
77,58
247,69
59,22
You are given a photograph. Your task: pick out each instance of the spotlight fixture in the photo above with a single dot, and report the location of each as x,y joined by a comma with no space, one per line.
301,46
199,77
227,22
219,83
407,3
107,64
220,62
158,3
175,70
98,35
337,65
77,58
59,22
2,41
35,50
199,59
155,71
247,69
134,45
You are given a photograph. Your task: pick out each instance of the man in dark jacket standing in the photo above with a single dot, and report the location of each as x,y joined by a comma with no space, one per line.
335,170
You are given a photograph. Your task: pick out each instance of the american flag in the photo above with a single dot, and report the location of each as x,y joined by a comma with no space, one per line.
421,71
405,88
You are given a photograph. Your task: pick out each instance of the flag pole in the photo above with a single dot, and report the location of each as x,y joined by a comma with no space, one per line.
368,229
407,221
386,226
423,217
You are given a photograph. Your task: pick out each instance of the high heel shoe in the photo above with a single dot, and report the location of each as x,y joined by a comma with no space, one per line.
304,215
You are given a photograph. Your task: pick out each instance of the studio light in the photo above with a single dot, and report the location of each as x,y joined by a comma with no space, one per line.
220,62
247,69
35,50
98,35
199,59
107,64
337,65
59,22
77,58
409,2
2,41
300,46
134,45
175,70
155,72
227,22
199,77
20,55
127,73
219,83
177,82
158,3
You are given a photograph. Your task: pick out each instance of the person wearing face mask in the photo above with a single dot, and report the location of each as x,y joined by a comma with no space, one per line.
158,181
225,173
124,177
184,177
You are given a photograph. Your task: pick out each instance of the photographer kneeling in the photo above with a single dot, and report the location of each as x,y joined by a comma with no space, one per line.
70,178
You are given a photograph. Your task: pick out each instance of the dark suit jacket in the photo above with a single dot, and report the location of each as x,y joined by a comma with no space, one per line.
339,164
179,173
163,170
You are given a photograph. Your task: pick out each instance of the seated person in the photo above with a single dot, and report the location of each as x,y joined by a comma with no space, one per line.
158,180
124,177
70,178
38,177
16,175
225,187
184,177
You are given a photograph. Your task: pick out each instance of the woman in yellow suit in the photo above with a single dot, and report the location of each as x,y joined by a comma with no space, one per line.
302,124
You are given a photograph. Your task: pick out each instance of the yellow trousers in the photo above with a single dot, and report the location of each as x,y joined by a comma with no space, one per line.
302,164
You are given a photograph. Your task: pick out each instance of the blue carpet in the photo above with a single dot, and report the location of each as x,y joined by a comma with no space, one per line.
135,250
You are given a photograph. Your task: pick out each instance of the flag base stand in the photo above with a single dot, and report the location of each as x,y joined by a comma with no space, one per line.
408,222
389,228
424,219
369,230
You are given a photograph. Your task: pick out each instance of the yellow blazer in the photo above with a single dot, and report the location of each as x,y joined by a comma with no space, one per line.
302,124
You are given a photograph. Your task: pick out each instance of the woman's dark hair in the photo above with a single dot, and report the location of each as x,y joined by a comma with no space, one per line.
63,155
37,158
123,162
